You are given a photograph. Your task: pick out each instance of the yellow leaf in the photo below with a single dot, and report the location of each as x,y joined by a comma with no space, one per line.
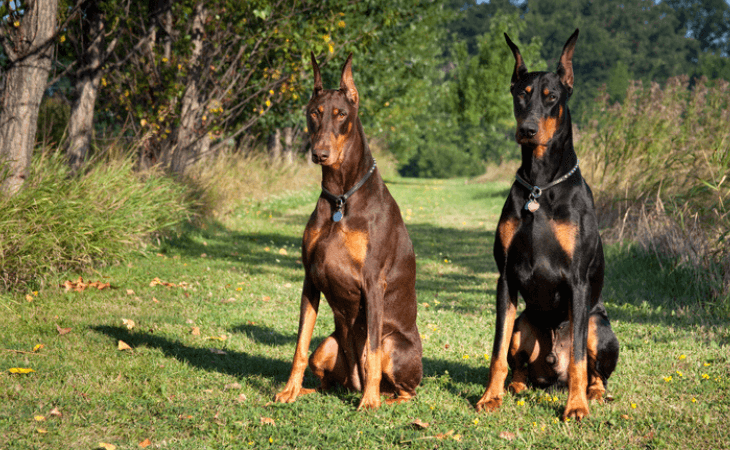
282,252
20,370
105,446
121,345
129,323
218,338
38,347
39,418
42,430
195,331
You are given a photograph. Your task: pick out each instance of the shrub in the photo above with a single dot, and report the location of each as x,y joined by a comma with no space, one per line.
659,163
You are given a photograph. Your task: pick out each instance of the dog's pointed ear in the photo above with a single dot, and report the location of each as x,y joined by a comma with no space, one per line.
317,75
347,84
520,67
565,64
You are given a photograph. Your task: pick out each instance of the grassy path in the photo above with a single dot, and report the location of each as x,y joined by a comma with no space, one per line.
210,349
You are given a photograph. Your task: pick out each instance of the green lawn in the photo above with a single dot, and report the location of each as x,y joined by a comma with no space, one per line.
209,353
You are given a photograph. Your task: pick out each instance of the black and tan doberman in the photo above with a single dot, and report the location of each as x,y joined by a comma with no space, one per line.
548,250
357,252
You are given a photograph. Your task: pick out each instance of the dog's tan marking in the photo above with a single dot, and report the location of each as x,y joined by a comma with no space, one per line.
566,234
507,229
356,243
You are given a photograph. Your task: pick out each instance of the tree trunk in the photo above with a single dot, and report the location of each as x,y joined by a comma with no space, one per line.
81,122
28,49
189,144
275,145
288,145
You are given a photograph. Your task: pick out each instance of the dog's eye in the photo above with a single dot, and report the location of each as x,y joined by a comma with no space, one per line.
342,114
552,97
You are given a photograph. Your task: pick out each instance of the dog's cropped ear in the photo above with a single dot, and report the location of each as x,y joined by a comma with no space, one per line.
565,65
317,76
520,68
347,84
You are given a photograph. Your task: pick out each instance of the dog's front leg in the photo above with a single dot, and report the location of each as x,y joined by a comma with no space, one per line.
498,368
373,346
577,405
307,319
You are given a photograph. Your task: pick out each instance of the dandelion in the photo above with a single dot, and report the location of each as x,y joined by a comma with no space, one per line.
520,403
707,364
694,400
476,421
633,406
465,357
680,373
705,376
681,357
668,378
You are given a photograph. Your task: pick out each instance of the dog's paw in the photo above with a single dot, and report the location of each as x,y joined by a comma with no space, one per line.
575,412
489,404
596,394
516,387
288,395
369,402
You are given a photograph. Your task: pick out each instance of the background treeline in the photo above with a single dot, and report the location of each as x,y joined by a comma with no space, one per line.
202,97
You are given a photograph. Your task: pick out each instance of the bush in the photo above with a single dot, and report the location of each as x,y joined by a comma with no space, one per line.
57,224
659,163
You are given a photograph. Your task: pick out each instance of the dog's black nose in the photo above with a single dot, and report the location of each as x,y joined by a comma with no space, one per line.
528,130
319,157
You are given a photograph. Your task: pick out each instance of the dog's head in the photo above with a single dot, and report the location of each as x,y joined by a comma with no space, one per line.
332,116
540,98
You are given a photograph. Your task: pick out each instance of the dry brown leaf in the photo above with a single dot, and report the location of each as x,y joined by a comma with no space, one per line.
105,446
29,298
444,435
241,398
507,435
130,292
62,331
146,443
195,331
217,351
232,386
121,345
419,424
129,323
268,421
55,413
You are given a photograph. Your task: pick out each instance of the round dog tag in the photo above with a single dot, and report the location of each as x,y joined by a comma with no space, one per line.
337,216
532,206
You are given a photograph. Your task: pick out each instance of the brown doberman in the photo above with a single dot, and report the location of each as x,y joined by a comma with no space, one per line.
549,251
357,252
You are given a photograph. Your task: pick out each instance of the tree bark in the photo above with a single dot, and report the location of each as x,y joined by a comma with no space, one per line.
274,145
81,121
29,50
288,145
189,144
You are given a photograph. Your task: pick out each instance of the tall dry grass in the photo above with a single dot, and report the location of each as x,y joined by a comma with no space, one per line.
659,164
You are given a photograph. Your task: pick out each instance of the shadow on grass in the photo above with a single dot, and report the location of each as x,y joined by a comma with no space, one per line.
265,335
237,364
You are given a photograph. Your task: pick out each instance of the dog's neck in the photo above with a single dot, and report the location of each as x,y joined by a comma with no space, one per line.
356,163
557,160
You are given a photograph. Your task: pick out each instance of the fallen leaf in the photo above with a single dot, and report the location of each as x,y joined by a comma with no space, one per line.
39,418
20,370
130,292
232,386
241,398
195,331
268,421
217,351
217,338
105,446
154,300
29,298
283,252
42,430
38,347
507,435
129,323
444,435
419,424
121,345
55,413
62,331
266,298
146,443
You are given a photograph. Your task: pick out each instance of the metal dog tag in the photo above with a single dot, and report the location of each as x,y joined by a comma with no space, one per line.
337,216
532,206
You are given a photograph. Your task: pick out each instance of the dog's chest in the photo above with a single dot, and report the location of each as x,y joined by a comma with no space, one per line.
334,254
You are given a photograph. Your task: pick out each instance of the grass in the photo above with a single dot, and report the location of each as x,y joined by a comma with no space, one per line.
238,281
